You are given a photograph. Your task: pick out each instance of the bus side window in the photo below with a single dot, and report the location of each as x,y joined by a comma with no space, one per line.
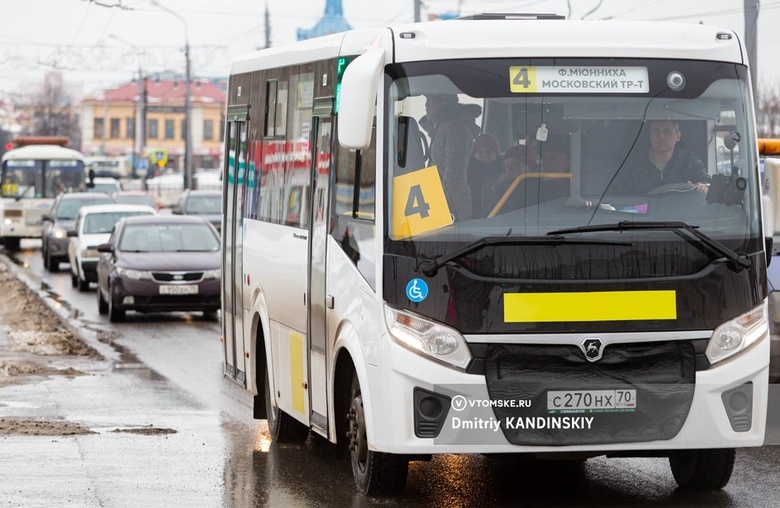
354,222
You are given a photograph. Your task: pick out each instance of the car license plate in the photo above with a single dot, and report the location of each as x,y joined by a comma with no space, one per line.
591,401
171,289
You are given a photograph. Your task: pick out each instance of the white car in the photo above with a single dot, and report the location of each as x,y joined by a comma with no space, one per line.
106,185
94,225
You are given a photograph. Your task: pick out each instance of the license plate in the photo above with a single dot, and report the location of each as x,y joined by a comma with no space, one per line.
591,401
188,289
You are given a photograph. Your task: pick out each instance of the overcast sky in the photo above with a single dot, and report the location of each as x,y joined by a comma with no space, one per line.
98,46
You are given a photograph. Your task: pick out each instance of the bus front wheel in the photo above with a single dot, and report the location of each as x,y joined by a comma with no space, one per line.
376,473
702,469
11,243
282,427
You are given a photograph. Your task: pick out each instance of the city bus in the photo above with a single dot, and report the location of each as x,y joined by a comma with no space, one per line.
31,176
371,302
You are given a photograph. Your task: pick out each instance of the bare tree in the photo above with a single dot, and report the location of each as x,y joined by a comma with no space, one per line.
53,111
768,111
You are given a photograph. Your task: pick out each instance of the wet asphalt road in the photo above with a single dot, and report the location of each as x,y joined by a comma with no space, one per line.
168,430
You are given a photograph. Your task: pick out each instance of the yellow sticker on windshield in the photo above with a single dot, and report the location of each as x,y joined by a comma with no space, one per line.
419,203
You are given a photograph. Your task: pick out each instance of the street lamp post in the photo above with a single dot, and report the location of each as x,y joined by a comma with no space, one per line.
187,129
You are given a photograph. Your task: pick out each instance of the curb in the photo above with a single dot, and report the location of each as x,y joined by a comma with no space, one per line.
87,335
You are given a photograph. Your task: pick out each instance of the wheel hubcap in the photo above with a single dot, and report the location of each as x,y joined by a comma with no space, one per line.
358,442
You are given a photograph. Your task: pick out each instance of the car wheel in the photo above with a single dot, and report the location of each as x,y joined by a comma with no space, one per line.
102,304
83,284
74,280
114,315
53,265
45,253
210,315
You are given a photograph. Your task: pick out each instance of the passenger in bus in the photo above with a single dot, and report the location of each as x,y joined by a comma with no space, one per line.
518,160
452,128
485,165
664,163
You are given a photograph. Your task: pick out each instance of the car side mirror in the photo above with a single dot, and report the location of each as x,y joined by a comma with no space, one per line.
73,233
105,247
46,217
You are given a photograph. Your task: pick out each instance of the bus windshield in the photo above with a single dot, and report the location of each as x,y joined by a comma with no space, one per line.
30,178
523,148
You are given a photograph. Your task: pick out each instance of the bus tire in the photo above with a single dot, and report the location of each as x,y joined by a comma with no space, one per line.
702,469
282,427
11,243
375,473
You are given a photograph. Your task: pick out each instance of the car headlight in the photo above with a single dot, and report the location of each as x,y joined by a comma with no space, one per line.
738,334
134,274
427,338
212,274
59,233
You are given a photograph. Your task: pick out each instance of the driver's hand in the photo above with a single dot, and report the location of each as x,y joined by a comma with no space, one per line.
701,187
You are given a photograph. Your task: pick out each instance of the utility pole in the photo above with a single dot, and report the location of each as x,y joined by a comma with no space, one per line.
751,37
267,27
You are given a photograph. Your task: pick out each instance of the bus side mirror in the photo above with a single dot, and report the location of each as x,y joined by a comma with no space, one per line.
358,98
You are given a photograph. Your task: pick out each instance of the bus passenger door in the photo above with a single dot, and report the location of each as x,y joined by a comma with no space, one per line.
232,236
317,302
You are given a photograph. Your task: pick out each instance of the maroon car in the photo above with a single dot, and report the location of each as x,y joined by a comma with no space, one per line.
159,264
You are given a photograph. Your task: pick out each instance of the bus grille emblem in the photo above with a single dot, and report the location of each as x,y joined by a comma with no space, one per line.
592,349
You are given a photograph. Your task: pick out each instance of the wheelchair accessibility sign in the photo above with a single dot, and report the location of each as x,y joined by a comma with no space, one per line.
417,290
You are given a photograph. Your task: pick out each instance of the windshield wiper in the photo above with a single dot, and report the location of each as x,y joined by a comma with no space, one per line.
25,191
433,265
736,260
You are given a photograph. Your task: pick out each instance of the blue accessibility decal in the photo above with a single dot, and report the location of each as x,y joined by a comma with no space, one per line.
417,290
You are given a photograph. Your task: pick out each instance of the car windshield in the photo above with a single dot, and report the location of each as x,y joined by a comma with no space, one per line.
103,222
69,208
204,205
107,188
168,238
134,200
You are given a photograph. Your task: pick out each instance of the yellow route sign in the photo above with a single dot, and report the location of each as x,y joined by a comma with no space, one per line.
419,203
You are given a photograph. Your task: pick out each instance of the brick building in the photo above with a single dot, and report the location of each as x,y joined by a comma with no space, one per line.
111,120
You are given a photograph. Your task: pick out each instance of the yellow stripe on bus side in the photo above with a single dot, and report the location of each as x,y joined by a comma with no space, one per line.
296,371
592,306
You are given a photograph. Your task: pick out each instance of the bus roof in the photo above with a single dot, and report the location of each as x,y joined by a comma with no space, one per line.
43,152
512,38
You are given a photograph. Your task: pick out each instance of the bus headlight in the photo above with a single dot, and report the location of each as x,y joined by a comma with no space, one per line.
427,338
738,334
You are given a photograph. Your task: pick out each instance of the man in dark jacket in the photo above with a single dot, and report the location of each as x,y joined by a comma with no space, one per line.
663,164
452,129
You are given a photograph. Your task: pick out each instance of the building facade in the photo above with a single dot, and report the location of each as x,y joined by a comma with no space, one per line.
112,121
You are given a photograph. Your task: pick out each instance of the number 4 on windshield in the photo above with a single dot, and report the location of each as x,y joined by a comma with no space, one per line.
419,204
